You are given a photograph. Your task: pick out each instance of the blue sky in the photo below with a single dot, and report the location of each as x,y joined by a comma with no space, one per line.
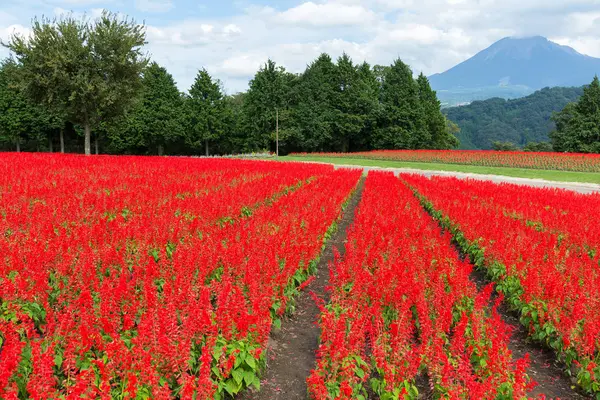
232,38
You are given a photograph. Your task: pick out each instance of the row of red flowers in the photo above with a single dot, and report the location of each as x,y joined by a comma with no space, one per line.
541,247
402,303
133,277
512,159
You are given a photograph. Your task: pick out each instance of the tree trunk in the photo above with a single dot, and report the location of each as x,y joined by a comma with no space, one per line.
18,146
62,140
345,145
96,144
161,150
50,144
206,147
88,134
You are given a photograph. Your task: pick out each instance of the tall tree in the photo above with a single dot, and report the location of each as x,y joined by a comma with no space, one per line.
235,123
402,123
578,124
88,71
156,118
440,137
353,103
206,111
266,97
315,109
371,105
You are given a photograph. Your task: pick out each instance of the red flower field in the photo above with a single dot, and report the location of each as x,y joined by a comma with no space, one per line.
129,277
166,278
485,158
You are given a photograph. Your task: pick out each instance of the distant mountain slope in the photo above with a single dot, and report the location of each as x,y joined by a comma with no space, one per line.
512,67
519,121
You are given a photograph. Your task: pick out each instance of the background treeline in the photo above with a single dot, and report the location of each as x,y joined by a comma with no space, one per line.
101,88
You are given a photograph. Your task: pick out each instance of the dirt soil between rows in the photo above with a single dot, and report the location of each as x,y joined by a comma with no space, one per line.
291,350
544,368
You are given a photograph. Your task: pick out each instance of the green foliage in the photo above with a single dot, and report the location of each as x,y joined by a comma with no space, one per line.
440,132
87,71
539,147
315,109
504,146
268,93
578,124
355,102
155,120
519,121
206,112
74,76
20,119
402,122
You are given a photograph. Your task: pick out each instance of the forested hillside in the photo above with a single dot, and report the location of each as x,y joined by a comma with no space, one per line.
519,121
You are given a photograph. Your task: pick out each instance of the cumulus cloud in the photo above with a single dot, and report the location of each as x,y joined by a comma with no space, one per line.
430,35
154,6
325,14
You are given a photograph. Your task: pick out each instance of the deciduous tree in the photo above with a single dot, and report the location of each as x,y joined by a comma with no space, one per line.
88,71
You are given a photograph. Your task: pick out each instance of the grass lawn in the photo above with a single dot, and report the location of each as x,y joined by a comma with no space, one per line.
560,176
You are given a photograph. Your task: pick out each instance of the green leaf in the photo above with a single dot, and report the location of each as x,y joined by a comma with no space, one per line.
251,363
249,377
232,387
238,376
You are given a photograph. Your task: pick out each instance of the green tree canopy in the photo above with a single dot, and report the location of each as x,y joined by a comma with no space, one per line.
354,102
206,111
578,124
538,147
402,122
267,95
438,133
504,146
21,119
89,71
315,108
156,119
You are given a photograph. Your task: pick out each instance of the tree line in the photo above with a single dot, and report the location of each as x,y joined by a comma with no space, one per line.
75,80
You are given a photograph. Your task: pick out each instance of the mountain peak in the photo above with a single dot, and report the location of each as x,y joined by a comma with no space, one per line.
524,47
523,62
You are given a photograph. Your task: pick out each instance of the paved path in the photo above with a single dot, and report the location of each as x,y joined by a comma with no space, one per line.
575,186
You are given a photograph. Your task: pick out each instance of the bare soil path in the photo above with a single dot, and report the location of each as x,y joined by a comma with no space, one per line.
291,351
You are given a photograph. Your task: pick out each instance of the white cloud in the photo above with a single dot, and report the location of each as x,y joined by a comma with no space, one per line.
240,66
154,6
430,35
325,14
16,29
589,45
